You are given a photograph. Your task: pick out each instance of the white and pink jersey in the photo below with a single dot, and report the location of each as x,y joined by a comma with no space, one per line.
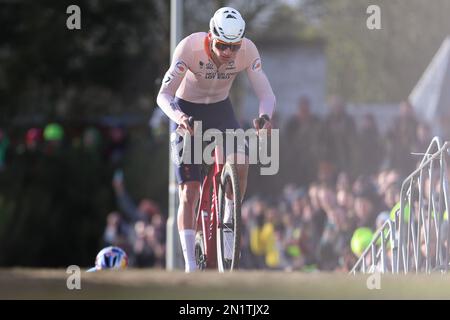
194,77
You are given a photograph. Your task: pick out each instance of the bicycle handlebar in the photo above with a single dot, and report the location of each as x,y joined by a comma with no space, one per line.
191,122
262,120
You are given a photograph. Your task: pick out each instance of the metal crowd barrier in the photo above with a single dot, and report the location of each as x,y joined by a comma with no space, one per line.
418,240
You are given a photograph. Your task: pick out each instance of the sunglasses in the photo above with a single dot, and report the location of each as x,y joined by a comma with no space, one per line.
222,46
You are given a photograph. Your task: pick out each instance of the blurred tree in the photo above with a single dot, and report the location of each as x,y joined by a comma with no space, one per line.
52,209
379,65
253,11
109,66
285,25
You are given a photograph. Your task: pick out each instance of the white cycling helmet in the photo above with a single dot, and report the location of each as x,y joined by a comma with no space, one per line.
227,25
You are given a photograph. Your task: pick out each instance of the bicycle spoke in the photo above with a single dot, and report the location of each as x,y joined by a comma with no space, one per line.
228,232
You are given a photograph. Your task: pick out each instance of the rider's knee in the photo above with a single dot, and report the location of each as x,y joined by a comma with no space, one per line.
189,194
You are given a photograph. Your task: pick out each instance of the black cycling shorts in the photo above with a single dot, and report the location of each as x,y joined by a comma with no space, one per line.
219,115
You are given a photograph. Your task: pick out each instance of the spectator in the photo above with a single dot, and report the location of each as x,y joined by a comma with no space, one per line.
269,240
247,258
256,224
335,240
401,139
301,145
143,254
53,136
370,149
339,136
117,145
381,219
144,211
116,232
344,195
366,203
92,139
391,196
33,139
423,137
156,246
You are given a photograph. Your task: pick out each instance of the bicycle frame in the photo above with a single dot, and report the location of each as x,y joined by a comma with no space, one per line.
207,216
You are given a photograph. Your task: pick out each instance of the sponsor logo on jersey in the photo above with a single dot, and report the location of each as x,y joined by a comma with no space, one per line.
256,65
219,75
231,65
180,67
223,75
210,75
167,79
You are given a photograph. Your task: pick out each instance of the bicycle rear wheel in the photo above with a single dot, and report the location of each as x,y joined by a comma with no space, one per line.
229,232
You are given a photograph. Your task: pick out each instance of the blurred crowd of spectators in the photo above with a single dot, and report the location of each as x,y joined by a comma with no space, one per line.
139,229
55,139
336,176
338,179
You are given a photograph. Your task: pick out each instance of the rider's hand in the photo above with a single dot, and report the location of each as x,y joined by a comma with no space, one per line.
267,124
184,124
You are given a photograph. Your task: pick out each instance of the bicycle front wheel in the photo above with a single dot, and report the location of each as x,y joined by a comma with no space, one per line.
229,230
200,257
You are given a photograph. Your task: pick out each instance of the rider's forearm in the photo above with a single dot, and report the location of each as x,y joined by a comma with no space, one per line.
267,105
167,105
263,91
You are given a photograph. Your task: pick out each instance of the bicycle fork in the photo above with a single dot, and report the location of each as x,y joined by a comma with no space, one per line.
207,220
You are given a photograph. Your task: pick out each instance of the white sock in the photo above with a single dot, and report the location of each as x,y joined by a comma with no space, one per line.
228,235
187,238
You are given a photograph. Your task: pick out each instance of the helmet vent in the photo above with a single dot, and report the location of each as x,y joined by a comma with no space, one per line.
230,16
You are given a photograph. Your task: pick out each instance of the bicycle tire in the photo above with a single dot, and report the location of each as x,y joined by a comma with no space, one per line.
200,258
229,175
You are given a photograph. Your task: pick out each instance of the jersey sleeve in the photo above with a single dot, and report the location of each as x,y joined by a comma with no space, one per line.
259,81
172,80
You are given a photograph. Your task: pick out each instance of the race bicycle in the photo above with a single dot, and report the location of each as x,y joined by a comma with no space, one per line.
219,179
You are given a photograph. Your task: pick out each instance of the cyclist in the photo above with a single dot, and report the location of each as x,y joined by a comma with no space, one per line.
197,84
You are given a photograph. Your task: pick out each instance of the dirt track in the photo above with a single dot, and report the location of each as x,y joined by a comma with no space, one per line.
151,284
